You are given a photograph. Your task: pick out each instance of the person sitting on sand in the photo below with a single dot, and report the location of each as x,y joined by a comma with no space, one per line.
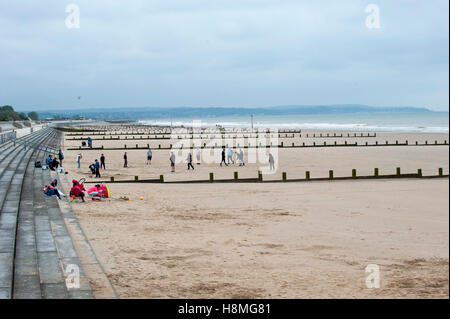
77,190
49,190
54,164
48,160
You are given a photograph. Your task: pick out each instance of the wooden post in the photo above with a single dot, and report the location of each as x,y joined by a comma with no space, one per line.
419,172
161,178
211,177
236,175
284,176
308,175
330,174
125,145
353,173
260,176
112,178
441,172
376,171
136,178
136,146
398,171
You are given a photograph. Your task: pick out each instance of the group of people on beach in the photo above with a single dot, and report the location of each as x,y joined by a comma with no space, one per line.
52,160
230,156
239,158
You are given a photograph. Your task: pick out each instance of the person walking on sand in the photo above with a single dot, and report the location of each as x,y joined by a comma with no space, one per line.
89,140
149,156
102,161
223,157
172,161
271,162
241,156
189,161
79,160
61,157
97,168
125,160
230,156
197,151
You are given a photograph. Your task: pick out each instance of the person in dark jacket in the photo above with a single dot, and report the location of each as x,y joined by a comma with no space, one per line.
102,162
97,168
223,158
61,157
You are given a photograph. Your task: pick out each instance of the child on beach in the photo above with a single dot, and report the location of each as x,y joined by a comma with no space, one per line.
79,160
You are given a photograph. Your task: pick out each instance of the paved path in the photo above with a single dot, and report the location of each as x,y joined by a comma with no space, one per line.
37,256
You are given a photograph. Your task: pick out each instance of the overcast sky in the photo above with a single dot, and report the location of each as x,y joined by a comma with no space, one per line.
223,53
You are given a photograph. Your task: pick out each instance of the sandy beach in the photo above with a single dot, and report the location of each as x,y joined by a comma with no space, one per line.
272,240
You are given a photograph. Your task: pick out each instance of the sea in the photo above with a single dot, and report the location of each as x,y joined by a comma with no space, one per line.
417,122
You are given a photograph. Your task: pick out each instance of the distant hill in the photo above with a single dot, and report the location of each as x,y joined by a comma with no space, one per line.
211,112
